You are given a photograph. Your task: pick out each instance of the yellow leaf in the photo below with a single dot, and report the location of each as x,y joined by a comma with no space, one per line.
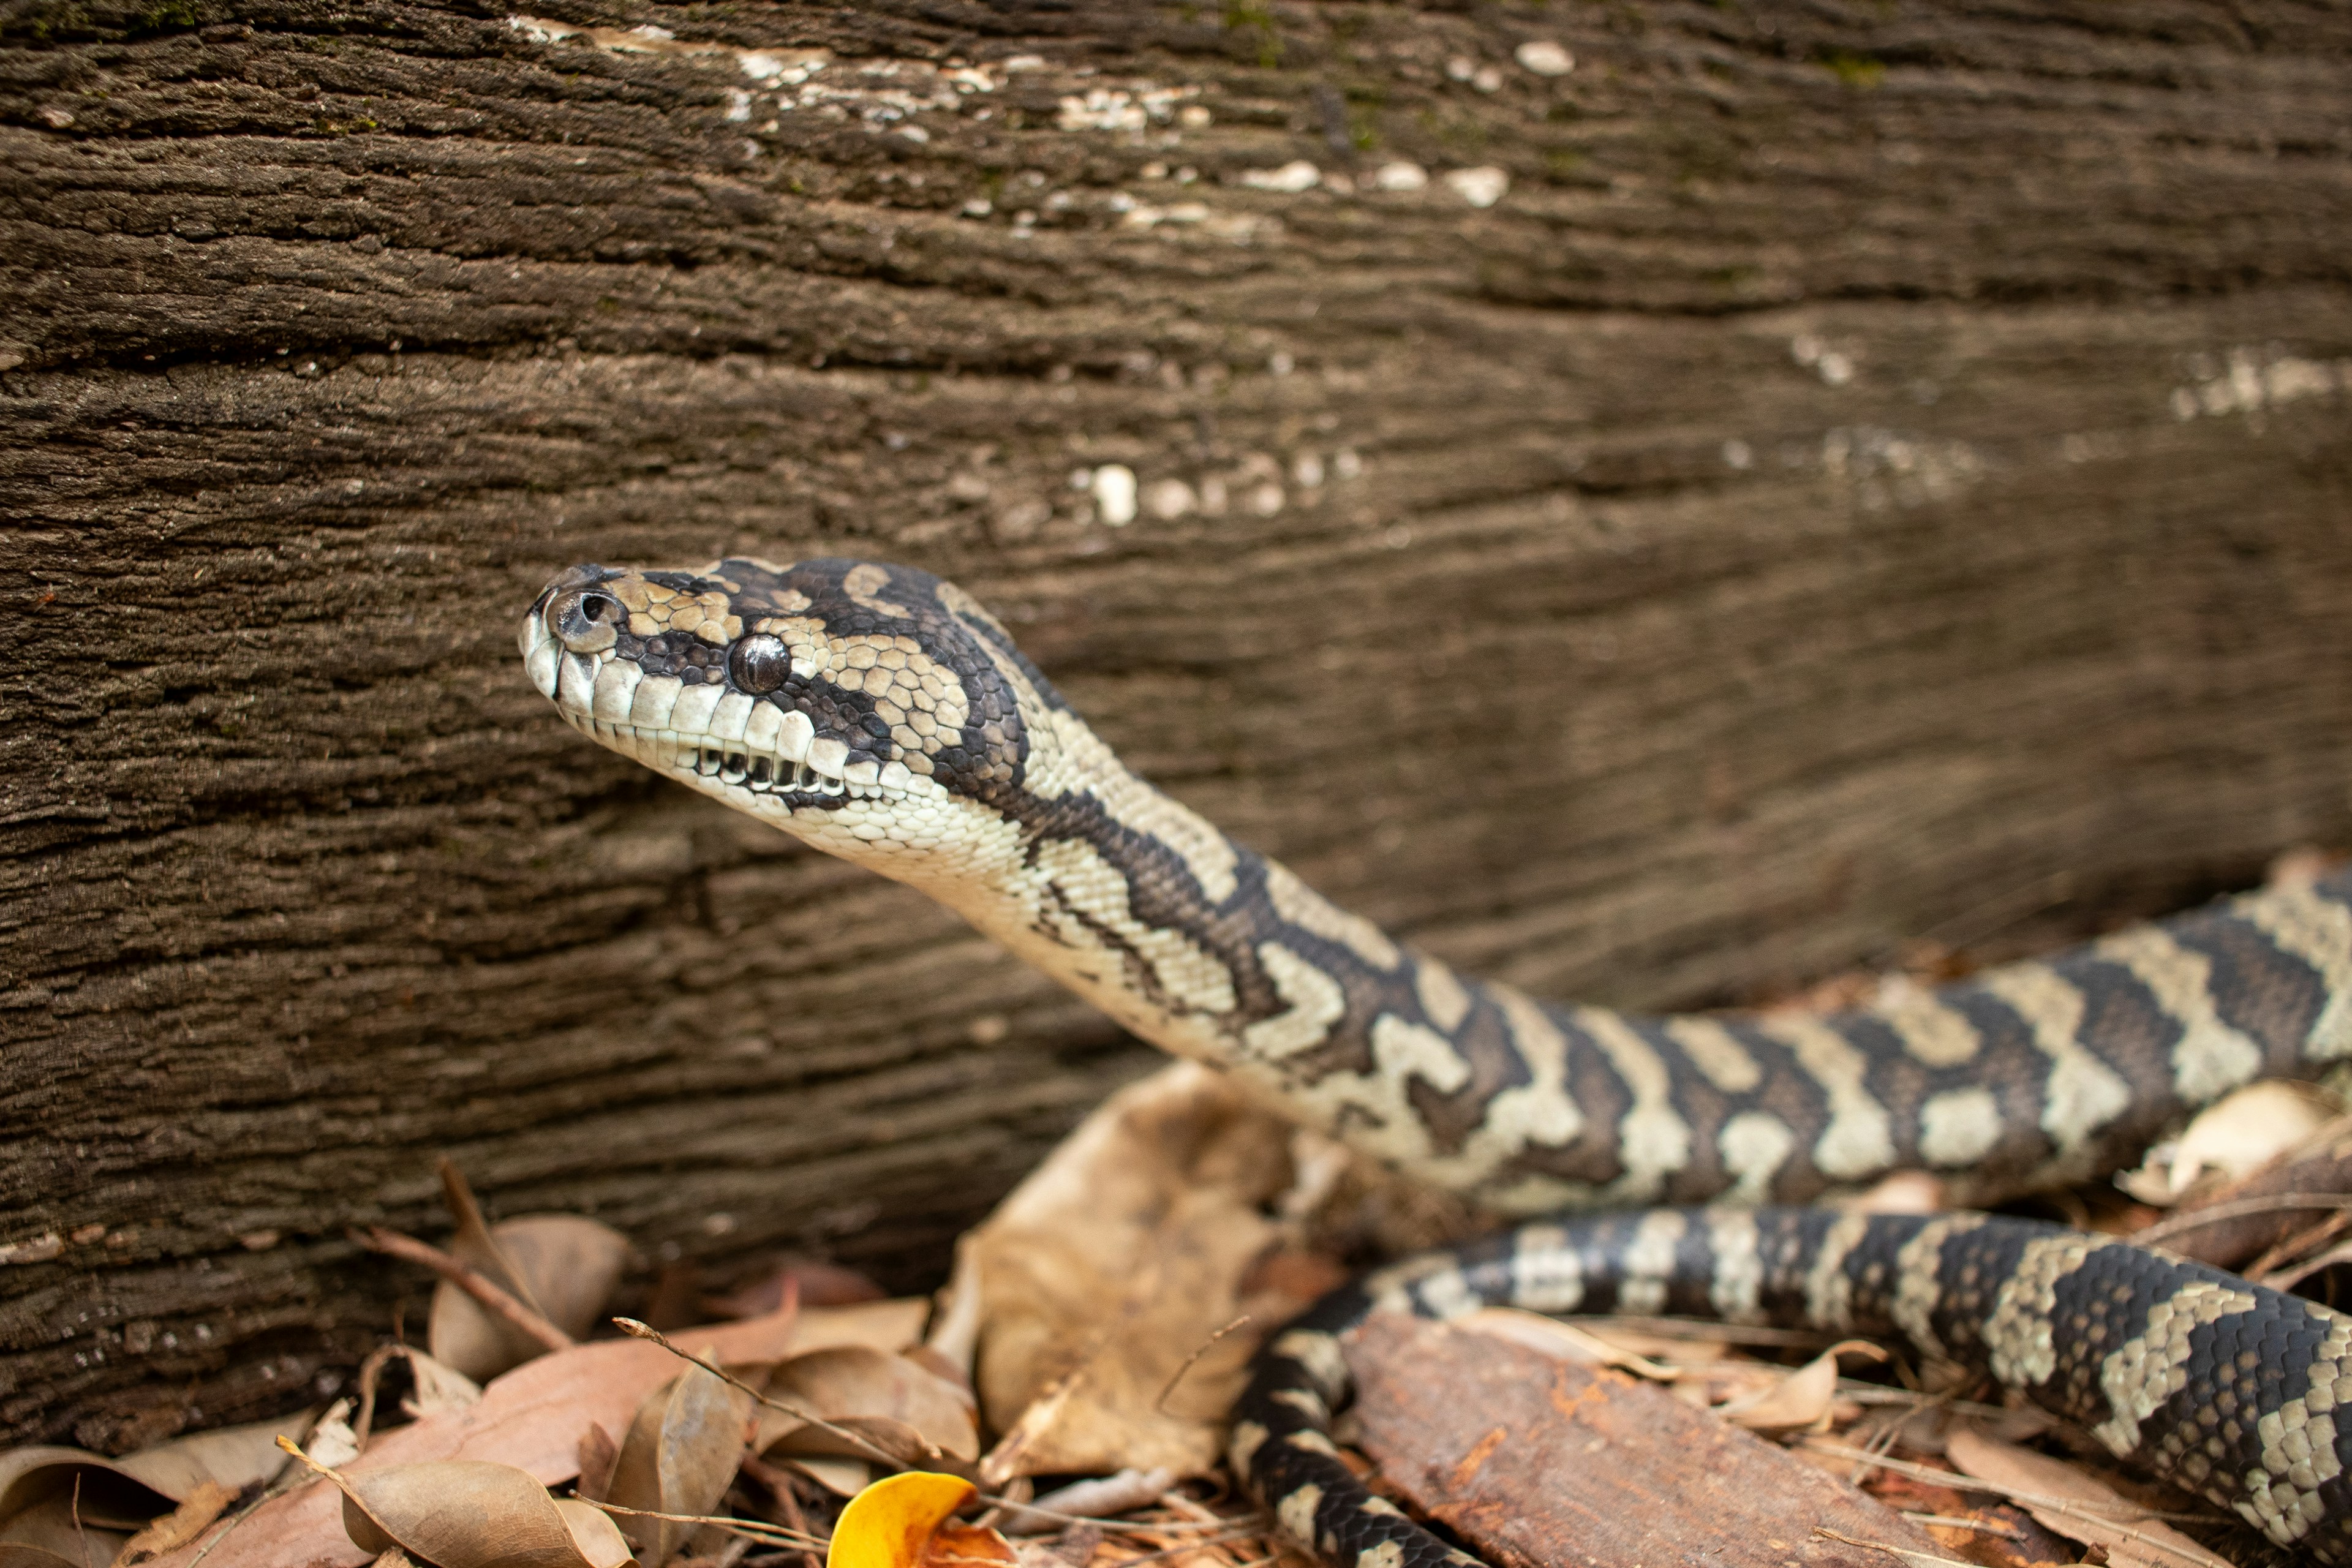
901,1521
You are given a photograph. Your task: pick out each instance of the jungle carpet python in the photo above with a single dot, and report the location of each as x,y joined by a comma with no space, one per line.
883,716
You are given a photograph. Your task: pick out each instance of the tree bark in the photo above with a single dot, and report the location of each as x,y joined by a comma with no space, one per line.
1861,475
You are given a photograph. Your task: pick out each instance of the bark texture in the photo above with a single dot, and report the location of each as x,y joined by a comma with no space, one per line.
1861,473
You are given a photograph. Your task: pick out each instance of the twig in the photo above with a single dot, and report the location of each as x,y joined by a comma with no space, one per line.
493,1297
1967,1483
758,1530
1159,1405
637,1330
1903,1553
2236,1208
1962,1522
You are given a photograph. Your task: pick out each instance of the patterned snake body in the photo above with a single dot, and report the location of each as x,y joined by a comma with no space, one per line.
883,716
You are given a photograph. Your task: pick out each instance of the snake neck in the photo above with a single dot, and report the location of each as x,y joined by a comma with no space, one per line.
2023,1077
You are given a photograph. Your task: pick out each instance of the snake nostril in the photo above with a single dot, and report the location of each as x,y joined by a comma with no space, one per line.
586,620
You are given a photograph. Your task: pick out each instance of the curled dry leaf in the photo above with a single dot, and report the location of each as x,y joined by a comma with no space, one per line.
904,1408
1803,1398
681,1452
469,1513
2236,1134
903,1522
73,1502
1118,1259
563,1266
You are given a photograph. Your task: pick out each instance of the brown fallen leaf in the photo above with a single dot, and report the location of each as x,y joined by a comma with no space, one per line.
2076,1505
680,1453
45,1490
851,1386
890,1326
2233,1137
1804,1397
532,1417
598,1456
19,1555
561,1265
468,1513
179,1527
56,1528
1112,1264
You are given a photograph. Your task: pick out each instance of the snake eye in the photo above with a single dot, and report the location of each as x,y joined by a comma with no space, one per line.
586,620
760,663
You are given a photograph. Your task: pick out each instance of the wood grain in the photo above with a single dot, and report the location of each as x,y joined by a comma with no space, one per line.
1542,1463
1871,475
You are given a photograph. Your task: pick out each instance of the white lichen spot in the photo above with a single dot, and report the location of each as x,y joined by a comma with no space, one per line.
1543,57
1486,78
1400,176
1736,455
1280,364
1461,67
1193,117
1265,499
1143,215
979,207
1133,107
2244,383
1290,179
1834,368
1481,187
739,106
1114,492
1307,470
1168,500
1346,465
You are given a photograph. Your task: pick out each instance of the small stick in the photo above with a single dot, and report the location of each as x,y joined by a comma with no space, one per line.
1159,1405
467,1277
758,1530
1962,1522
2236,1208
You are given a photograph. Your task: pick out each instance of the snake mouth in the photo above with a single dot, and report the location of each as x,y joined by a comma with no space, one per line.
822,774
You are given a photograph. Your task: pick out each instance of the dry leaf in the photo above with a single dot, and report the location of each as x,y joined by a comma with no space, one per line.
233,1457
2238,1133
2076,1505
852,1386
598,1455
902,1521
436,1388
532,1417
1112,1265
54,1527
563,1266
182,1525
888,1326
681,1452
842,1478
31,1480
1803,1398
466,1513
18,1554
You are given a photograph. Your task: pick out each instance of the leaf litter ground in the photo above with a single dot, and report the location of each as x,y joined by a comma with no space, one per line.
1060,1404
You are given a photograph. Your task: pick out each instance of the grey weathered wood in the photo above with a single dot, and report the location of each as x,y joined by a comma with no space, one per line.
1868,466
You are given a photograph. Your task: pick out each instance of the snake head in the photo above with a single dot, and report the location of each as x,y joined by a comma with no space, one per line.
874,710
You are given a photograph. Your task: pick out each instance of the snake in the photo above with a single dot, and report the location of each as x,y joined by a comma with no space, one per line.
1683,1164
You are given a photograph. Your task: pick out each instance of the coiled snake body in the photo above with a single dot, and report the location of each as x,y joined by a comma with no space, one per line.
882,715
